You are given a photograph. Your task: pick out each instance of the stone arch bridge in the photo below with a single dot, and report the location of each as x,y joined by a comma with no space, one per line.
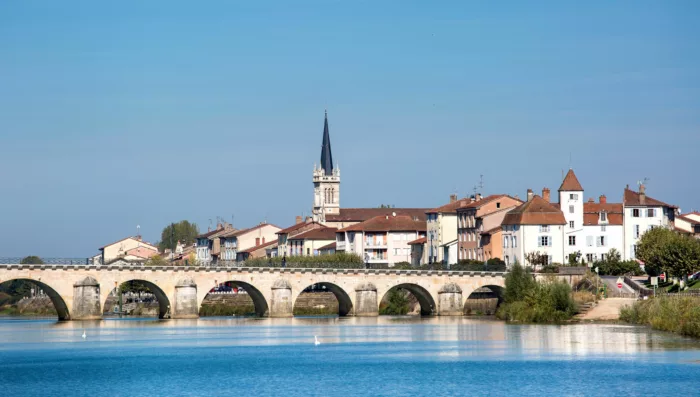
78,291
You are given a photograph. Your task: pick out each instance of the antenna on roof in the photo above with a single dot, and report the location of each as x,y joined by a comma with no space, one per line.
232,219
138,230
569,160
481,182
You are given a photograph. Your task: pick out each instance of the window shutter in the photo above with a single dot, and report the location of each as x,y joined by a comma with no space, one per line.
539,241
589,241
549,241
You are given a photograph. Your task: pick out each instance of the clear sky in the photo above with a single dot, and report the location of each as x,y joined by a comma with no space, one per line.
124,113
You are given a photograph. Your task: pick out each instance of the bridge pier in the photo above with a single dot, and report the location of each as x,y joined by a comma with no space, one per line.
281,304
86,300
450,300
185,301
366,300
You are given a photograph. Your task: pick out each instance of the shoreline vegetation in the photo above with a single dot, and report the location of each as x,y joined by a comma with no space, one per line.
677,314
527,300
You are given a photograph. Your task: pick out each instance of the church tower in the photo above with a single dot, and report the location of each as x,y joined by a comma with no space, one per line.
326,180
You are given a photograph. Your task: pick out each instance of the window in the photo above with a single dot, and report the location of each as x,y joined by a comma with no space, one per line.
545,241
600,242
589,258
498,205
636,231
544,228
635,212
573,196
308,251
505,241
602,257
651,212
571,209
571,224
589,241
507,261
515,241
572,240
603,216
602,228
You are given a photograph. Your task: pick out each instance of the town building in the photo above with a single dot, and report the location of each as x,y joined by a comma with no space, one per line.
300,226
311,241
479,226
129,248
688,223
642,213
442,231
418,252
262,250
225,242
534,226
382,239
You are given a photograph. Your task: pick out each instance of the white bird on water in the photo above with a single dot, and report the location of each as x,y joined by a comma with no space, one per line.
316,341
84,334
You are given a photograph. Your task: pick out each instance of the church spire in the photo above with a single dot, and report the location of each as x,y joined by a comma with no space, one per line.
326,155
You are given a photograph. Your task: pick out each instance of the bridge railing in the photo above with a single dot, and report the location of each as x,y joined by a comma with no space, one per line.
49,261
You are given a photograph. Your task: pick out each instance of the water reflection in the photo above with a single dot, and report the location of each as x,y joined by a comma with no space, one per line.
457,337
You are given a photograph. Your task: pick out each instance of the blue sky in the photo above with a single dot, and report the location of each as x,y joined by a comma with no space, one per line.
117,114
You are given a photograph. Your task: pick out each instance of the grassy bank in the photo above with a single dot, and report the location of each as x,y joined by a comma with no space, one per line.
220,309
679,314
530,301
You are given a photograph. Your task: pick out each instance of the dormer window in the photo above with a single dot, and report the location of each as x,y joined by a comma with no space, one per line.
603,216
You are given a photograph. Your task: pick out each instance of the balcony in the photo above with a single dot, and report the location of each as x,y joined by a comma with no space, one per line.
378,260
340,245
377,244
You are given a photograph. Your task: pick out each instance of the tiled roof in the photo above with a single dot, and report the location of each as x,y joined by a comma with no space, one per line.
236,233
259,247
212,232
570,183
363,214
142,252
327,247
591,213
326,233
535,212
483,201
451,207
130,237
632,199
297,226
421,240
689,220
387,223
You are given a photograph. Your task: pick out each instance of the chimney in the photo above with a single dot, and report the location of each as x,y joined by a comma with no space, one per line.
478,197
529,194
298,220
219,226
642,194
453,198
308,219
602,199
546,194
591,200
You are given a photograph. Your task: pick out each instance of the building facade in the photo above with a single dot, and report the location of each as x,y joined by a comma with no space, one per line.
642,213
477,222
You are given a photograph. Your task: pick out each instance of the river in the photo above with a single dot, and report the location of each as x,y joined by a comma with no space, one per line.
385,356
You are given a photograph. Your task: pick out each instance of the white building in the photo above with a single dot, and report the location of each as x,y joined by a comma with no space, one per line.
382,239
591,229
643,213
535,226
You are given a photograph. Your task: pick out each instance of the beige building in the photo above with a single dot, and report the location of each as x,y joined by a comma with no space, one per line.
298,228
478,225
133,247
441,242
382,239
688,223
309,243
225,242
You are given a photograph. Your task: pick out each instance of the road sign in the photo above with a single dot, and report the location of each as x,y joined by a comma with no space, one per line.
662,276
654,281
619,282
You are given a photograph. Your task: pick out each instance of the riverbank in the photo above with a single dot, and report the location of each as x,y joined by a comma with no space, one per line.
677,314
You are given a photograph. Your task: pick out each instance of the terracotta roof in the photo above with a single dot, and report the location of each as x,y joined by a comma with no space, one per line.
535,212
363,214
126,238
689,220
485,200
421,240
297,226
387,223
259,247
591,213
679,230
451,207
632,199
236,233
571,183
326,233
142,252
327,247
211,233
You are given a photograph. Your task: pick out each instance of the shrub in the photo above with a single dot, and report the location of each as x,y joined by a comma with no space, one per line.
339,260
519,283
679,314
398,303
527,300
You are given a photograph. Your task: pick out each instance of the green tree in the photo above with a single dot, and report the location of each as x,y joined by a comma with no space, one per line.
183,231
398,303
650,249
31,260
664,250
519,283
537,258
156,260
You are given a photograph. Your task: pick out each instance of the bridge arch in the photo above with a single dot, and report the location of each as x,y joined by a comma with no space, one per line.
427,303
484,299
345,305
259,302
58,302
164,308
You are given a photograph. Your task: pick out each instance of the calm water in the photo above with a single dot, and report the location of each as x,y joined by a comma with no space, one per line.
358,356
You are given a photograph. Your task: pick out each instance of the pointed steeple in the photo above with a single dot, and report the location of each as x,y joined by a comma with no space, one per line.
571,183
326,155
